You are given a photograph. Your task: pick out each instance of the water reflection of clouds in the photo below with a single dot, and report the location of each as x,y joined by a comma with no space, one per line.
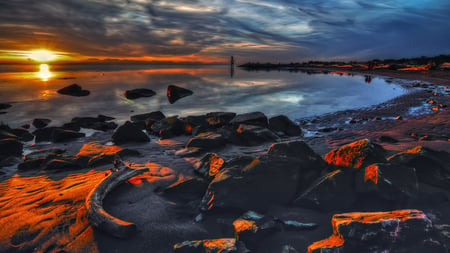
294,94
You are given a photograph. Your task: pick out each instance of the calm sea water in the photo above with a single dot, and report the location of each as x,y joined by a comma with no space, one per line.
297,95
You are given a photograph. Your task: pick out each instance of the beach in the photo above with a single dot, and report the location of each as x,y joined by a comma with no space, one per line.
44,208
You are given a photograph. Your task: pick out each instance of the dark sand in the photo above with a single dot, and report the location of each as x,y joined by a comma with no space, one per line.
45,211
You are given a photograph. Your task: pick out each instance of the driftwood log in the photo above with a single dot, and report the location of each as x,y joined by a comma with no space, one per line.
97,216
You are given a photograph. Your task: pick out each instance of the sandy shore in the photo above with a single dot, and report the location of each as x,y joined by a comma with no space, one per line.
43,211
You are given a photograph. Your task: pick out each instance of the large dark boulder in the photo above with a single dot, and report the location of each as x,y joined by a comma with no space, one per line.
174,93
257,186
221,245
62,135
41,123
432,167
357,154
248,135
332,192
207,141
168,127
74,90
139,93
22,134
252,118
128,132
283,124
44,134
396,231
10,147
218,119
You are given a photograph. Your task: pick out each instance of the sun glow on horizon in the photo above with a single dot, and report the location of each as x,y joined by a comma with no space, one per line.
42,55
44,72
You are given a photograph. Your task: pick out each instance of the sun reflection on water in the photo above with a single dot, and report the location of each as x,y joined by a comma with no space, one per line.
44,72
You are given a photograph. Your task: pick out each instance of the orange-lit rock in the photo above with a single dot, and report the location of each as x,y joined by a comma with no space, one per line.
174,93
356,154
168,127
218,119
208,141
209,165
405,230
222,245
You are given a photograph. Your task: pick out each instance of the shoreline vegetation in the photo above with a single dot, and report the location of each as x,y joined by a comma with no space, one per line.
369,179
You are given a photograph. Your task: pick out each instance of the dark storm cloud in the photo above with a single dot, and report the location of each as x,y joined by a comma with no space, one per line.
255,30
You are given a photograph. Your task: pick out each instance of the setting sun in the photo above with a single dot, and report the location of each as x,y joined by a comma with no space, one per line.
42,55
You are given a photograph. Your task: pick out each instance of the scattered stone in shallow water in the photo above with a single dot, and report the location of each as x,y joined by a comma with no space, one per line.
73,90
62,135
41,123
174,93
4,106
139,93
97,123
127,133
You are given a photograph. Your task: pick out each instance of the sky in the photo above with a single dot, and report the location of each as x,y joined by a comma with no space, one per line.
213,30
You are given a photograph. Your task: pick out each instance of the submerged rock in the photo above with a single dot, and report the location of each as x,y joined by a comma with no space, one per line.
396,231
283,124
74,90
174,93
357,154
41,123
139,93
128,132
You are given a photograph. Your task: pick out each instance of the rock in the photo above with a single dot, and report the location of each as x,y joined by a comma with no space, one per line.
59,164
105,118
191,188
357,154
264,181
44,134
388,139
174,93
71,126
386,181
283,124
7,135
222,245
22,134
26,126
154,116
41,123
432,167
252,118
332,192
188,152
209,165
129,133
207,141
253,229
168,127
62,135
396,231
99,123
4,106
44,153
31,164
73,90
197,121
139,93
10,147
218,119
248,135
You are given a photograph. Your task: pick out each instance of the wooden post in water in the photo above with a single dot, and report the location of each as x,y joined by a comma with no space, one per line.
232,66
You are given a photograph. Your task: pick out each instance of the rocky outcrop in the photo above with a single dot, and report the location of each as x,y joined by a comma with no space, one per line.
222,245
127,133
357,154
74,90
396,231
284,125
139,93
174,93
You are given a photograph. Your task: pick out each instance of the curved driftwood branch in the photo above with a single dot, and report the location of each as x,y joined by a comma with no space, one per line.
97,216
